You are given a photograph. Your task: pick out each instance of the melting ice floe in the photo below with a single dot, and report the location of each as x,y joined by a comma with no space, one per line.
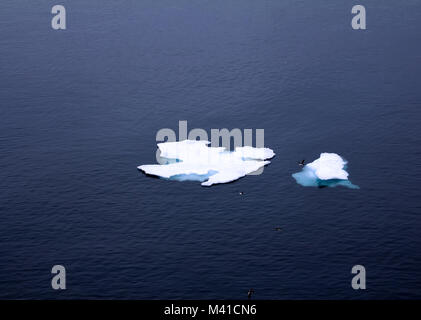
327,171
195,160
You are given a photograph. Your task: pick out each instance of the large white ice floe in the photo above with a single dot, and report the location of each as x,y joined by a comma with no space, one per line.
327,171
195,160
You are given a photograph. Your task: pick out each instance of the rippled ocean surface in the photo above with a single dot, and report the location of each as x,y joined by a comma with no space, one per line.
80,109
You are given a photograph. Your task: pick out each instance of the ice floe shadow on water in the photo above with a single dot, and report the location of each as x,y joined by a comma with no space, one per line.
192,160
327,171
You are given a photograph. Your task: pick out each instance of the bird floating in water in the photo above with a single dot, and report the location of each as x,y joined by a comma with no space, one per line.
241,193
301,163
249,294
277,229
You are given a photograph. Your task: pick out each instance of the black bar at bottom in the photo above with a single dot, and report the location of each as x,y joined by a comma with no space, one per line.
212,309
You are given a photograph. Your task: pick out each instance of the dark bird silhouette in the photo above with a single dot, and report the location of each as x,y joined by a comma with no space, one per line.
277,229
251,291
301,163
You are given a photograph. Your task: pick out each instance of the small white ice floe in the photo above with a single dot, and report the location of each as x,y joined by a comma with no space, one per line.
327,171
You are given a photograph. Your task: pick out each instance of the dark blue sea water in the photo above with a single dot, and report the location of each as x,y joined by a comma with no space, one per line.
80,109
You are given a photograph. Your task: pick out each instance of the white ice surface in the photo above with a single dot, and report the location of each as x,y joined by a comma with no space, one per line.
215,165
329,166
